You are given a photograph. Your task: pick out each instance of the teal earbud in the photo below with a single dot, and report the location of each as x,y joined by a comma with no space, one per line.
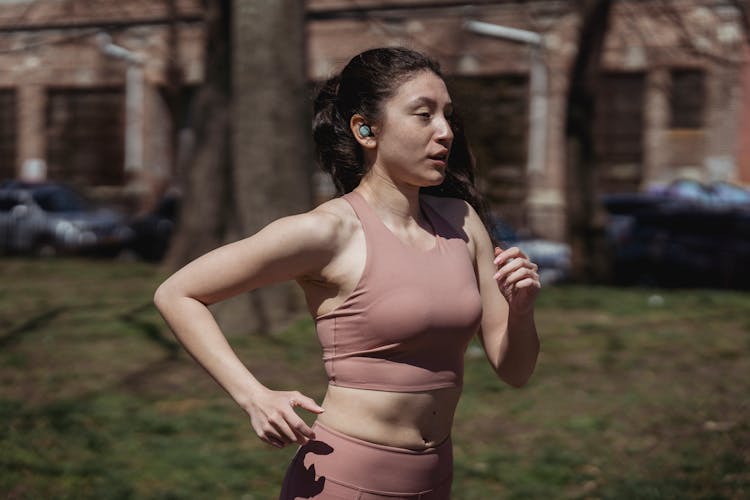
364,131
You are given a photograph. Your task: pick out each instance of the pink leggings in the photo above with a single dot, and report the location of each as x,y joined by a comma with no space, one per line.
339,467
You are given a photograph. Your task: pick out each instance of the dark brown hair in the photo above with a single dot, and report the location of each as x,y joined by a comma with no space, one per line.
365,83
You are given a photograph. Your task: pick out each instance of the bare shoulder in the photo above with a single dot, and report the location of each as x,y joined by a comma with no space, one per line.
331,223
321,229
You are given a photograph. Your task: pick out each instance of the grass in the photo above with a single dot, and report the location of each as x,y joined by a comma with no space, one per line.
635,397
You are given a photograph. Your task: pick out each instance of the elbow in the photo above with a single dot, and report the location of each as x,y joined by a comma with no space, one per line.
162,296
516,381
520,382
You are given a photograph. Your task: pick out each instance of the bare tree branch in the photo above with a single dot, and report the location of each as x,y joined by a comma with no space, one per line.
688,39
743,6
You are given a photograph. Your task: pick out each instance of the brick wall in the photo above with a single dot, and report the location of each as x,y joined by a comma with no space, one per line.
52,47
52,44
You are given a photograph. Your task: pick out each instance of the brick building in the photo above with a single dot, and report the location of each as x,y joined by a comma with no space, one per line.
671,103
82,87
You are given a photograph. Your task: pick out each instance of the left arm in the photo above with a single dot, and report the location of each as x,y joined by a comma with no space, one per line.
509,285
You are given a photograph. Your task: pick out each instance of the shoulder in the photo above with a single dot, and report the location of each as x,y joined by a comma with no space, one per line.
303,243
329,225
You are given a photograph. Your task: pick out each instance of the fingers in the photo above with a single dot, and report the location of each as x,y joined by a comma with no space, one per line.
513,265
306,403
274,441
269,433
275,421
302,431
279,431
508,268
284,429
517,278
300,428
510,253
529,283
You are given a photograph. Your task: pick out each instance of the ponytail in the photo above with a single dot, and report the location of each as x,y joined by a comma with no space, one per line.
337,150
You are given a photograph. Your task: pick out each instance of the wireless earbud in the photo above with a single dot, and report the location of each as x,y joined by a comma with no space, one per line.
364,131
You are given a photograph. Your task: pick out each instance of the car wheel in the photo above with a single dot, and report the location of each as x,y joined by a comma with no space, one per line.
45,249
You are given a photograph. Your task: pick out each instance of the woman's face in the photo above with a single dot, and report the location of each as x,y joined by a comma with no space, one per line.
414,135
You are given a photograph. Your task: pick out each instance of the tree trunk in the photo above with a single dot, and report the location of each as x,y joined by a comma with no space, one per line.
204,176
271,135
586,234
252,160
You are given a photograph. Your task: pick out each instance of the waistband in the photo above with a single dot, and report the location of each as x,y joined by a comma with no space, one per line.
374,467
446,443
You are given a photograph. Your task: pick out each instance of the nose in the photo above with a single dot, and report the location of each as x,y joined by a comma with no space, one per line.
444,132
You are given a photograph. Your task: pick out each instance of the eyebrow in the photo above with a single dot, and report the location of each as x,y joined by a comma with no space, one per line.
419,101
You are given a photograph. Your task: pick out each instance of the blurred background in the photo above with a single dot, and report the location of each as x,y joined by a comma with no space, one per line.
612,140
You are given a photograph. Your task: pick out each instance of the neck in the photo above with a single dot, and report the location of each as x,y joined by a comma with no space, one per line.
400,203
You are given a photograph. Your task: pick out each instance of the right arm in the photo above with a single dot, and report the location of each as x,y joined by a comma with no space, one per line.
289,248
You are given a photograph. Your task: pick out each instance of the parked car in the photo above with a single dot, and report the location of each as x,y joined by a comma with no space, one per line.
684,234
152,232
49,218
680,194
552,257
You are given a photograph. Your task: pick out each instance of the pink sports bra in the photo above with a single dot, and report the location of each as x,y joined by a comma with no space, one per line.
407,323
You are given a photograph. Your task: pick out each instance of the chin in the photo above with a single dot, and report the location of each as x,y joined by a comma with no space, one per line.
430,178
439,178
427,185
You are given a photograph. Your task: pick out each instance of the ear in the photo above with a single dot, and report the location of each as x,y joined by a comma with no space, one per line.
367,142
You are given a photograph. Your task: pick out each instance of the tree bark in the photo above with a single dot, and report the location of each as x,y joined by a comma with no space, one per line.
252,160
204,176
271,135
585,234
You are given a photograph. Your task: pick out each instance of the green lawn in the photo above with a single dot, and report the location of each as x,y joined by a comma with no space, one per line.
629,401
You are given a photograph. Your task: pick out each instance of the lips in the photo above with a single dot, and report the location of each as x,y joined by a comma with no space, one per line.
442,156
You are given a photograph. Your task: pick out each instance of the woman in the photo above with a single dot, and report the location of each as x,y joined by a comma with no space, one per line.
398,282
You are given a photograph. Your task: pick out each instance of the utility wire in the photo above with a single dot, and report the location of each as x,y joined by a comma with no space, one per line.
56,41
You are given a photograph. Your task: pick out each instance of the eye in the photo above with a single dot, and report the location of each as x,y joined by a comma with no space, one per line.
424,115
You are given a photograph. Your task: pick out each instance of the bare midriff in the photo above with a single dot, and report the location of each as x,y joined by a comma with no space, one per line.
412,420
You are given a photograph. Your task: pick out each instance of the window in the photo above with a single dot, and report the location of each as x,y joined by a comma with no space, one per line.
85,135
8,126
494,110
687,98
618,134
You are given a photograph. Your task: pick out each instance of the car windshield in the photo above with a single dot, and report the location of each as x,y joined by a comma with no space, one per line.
56,199
690,190
730,193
